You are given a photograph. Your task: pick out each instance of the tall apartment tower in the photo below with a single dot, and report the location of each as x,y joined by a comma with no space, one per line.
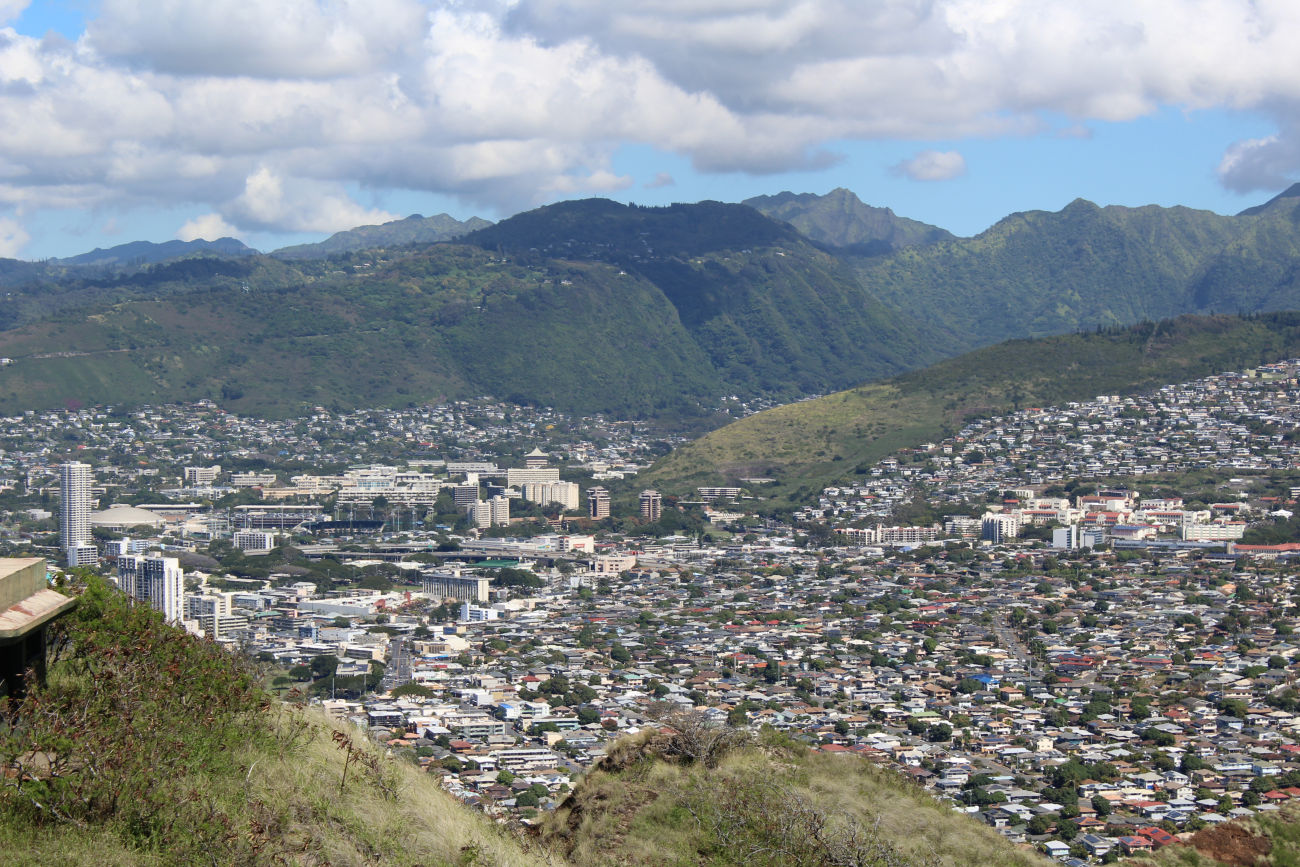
652,505
598,503
74,515
156,581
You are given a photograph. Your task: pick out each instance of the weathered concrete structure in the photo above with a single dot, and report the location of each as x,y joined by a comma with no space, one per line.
27,605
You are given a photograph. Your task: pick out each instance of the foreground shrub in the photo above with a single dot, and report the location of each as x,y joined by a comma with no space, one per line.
142,729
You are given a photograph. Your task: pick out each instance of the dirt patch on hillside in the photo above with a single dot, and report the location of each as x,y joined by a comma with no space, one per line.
1232,844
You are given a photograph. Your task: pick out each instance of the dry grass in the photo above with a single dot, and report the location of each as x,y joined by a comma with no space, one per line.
646,812
388,812
392,813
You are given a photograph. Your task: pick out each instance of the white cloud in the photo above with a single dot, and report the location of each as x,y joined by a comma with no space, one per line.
11,9
932,166
208,227
269,114
299,205
660,180
12,237
289,38
1269,163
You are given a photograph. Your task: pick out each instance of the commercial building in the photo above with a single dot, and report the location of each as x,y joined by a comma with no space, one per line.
253,541
469,588
157,581
248,480
565,493
199,476
651,505
466,495
598,503
74,515
517,477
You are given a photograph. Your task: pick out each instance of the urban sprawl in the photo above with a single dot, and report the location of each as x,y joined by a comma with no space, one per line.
1074,623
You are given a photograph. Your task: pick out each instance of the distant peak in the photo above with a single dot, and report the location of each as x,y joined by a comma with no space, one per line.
1291,192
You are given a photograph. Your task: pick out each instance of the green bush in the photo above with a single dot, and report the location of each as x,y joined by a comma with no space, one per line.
136,723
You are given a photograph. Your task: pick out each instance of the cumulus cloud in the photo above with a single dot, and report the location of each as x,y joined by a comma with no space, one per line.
287,38
272,201
272,115
208,227
932,166
12,237
11,9
1268,163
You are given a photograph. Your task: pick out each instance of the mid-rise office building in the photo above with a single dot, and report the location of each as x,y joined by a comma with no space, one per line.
466,495
253,541
470,588
598,503
651,505
197,476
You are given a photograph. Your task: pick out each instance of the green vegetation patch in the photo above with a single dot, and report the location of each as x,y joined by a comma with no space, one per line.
807,445
766,801
148,746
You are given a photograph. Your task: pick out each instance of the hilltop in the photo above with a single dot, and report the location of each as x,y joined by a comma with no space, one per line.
841,219
766,802
806,445
415,229
1036,273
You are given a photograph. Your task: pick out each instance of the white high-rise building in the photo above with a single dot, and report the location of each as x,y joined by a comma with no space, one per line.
158,581
74,515
564,493
493,513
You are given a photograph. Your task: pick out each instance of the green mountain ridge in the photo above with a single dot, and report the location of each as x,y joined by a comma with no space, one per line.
593,305
415,229
666,329
807,445
841,219
1038,273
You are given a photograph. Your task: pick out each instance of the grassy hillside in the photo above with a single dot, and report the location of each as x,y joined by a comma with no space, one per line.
151,747
810,444
768,803
445,321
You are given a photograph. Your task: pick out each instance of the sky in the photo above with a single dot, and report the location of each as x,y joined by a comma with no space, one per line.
282,122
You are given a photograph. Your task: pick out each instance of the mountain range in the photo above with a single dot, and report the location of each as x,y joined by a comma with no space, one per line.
596,306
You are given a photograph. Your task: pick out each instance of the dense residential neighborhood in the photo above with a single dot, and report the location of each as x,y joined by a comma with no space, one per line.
1074,623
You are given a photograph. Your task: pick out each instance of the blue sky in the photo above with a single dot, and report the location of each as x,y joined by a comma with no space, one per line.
278,123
